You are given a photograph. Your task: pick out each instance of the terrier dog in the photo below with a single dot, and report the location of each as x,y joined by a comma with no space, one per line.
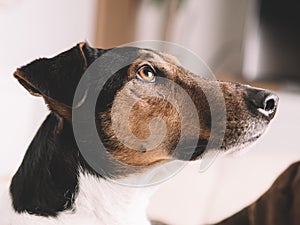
56,184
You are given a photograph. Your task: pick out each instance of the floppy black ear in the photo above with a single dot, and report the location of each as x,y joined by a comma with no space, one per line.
56,78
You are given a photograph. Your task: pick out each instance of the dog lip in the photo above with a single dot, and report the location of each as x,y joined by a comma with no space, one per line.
187,153
242,144
190,152
252,139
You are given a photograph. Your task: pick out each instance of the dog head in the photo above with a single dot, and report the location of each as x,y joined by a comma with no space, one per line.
156,92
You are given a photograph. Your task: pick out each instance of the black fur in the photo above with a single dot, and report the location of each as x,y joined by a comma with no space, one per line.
47,180
58,77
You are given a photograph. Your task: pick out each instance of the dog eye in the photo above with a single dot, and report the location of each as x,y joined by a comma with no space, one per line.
146,73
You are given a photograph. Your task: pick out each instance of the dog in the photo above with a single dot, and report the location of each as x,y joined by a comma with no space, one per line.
55,184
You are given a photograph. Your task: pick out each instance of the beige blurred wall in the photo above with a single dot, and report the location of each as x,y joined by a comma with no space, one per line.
115,23
215,29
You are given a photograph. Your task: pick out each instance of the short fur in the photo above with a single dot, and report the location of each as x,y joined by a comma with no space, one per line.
55,185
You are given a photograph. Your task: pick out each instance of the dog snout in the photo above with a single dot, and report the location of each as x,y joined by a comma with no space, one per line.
262,102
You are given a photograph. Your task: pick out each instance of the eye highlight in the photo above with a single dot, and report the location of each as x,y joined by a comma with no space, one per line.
146,73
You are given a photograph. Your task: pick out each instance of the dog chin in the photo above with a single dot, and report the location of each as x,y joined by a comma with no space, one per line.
240,148
231,150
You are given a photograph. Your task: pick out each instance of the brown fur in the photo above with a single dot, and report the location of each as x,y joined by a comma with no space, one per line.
242,127
158,109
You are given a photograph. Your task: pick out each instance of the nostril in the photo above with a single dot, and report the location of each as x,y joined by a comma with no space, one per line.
263,101
269,104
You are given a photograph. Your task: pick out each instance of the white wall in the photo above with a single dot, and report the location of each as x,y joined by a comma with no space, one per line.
30,29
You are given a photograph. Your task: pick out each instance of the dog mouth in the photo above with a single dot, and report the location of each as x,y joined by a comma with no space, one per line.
239,146
188,152
252,139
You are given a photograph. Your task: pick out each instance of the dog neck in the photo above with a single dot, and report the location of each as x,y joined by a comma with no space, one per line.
68,188
109,202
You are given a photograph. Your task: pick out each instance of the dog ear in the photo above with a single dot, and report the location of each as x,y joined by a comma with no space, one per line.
56,78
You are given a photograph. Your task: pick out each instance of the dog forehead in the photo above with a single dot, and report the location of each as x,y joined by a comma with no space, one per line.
158,57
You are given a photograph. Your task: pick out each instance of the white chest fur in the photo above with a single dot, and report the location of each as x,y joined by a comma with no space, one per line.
99,202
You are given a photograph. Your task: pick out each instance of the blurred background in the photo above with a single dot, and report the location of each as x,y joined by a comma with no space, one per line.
250,41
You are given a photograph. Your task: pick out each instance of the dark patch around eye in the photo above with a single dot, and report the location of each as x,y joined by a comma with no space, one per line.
160,73
111,87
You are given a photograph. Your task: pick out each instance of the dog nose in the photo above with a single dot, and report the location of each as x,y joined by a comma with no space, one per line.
263,101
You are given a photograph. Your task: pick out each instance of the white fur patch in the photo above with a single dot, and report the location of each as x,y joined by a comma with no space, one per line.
99,202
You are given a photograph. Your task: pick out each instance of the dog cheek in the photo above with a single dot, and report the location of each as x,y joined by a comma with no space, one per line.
139,119
157,117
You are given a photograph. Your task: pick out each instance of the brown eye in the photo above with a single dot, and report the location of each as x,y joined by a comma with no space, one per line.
146,73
